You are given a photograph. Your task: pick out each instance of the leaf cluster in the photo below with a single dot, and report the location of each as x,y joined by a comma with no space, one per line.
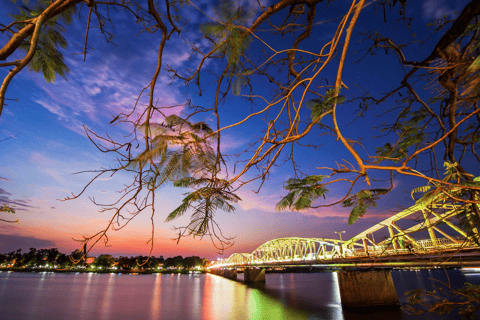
409,126
209,196
177,147
361,201
47,58
6,208
302,192
230,16
320,106
451,174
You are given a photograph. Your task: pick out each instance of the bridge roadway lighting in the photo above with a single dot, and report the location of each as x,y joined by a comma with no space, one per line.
340,234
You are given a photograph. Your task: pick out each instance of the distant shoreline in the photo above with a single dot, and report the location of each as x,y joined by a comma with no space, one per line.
100,271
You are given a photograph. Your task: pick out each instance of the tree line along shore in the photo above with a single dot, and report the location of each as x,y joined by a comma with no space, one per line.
54,260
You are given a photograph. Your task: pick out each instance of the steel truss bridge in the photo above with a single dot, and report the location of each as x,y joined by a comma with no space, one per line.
446,244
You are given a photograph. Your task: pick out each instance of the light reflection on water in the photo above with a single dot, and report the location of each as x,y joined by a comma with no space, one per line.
116,296
107,298
197,294
85,296
156,302
38,292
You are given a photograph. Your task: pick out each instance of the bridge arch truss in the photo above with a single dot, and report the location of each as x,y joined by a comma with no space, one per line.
288,249
437,219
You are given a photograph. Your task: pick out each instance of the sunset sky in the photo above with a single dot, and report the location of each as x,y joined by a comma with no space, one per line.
42,140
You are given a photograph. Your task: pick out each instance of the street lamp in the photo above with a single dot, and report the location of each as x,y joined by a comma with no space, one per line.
340,234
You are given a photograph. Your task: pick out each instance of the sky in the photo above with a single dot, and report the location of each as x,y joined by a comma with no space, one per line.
43,142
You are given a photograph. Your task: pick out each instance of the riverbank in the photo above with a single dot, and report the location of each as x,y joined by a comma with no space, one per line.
101,271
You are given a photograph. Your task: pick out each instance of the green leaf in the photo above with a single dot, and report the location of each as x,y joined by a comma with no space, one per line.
237,85
230,16
303,193
47,58
361,201
324,105
423,189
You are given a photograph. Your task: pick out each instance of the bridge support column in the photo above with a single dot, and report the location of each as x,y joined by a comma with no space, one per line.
367,288
230,274
226,273
254,275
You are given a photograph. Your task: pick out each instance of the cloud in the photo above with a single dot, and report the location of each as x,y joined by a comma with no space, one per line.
17,204
266,203
436,9
8,112
8,134
230,143
253,201
96,91
52,107
176,59
40,159
49,167
327,212
14,242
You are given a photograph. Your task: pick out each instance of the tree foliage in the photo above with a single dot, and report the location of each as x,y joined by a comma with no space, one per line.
8,209
302,193
227,33
48,59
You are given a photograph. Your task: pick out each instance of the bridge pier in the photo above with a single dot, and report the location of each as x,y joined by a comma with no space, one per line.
230,274
367,288
254,275
226,273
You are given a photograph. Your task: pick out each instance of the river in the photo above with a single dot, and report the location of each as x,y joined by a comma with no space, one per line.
48,295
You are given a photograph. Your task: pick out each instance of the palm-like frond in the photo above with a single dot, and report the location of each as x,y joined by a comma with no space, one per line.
211,195
230,16
47,58
422,189
303,193
177,147
361,201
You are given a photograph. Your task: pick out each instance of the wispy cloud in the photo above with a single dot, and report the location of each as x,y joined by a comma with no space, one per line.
253,201
7,241
230,143
95,92
436,9
52,168
266,203
17,204
7,111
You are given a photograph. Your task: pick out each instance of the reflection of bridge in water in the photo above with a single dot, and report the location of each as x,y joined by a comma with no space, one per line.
421,235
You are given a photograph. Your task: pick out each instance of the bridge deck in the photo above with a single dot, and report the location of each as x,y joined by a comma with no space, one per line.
466,257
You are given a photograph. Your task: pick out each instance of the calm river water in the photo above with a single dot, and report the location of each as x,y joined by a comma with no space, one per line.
174,296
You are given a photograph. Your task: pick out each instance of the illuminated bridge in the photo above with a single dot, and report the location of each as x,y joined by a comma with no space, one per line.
420,236
437,224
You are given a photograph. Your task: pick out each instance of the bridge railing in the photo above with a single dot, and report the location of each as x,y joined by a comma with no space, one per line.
422,246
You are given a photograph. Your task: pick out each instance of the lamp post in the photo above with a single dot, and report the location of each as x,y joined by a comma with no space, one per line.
340,234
